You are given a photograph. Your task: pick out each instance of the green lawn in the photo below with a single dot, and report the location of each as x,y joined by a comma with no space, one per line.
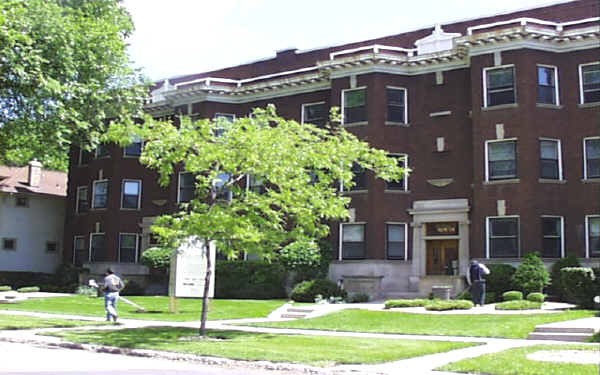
314,350
508,326
10,322
514,362
157,308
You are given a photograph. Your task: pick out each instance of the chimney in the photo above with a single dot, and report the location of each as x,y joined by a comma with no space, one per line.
34,173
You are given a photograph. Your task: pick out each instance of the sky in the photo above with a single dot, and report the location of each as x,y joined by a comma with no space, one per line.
177,37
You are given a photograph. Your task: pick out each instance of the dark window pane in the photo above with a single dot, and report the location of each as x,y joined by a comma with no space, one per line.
134,149
353,250
500,78
102,151
551,248
396,104
546,95
315,114
504,247
100,195
355,106
592,155
591,83
186,187
360,178
595,246
504,227
98,248
551,226
85,157
396,114
396,237
501,97
549,169
358,114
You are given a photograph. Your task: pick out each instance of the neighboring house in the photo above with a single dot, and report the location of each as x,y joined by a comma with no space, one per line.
497,117
32,217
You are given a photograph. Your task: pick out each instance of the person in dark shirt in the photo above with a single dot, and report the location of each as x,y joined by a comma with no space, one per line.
475,277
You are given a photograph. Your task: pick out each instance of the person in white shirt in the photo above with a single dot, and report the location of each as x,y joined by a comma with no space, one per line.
475,278
112,286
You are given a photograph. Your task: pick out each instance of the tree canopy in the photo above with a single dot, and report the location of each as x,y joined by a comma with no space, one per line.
64,70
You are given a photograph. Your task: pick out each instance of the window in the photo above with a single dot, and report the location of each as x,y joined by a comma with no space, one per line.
80,251
131,194
135,148
100,194
550,159
220,186
84,157
503,237
396,241
222,120
501,160
359,179
314,113
9,244
102,151
22,202
396,105
353,241
499,86
82,203
547,85
591,160
128,248
593,236
354,103
186,187
256,184
552,231
97,247
51,247
401,185
589,76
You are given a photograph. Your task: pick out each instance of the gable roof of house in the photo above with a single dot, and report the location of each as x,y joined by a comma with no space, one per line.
15,180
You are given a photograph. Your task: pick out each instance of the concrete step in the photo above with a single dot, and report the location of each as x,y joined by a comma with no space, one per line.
543,329
560,336
293,316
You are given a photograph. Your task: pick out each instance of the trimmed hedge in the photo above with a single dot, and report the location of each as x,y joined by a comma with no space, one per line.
581,285
535,297
394,303
443,305
518,305
358,298
556,287
513,295
5,288
308,290
532,275
238,279
28,289
498,281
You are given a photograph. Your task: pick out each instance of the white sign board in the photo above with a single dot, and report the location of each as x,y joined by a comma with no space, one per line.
188,270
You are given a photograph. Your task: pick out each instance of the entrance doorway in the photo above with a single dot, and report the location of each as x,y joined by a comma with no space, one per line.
442,257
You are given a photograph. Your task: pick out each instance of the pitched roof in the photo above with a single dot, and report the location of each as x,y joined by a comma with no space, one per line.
15,180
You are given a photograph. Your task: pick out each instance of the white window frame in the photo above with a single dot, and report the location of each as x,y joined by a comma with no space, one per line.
224,115
137,246
485,89
343,102
179,186
587,233
585,173
405,178
94,194
405,103
78,197
140,141
91,239
341,238
302,119
560,163
405,239
556,89
486,158
581,96
562,233
139,200
487,234
75,247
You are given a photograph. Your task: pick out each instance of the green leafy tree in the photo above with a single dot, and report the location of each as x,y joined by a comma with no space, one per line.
300,165
64,70
531,275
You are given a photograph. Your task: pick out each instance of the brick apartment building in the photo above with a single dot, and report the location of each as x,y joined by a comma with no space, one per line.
498,118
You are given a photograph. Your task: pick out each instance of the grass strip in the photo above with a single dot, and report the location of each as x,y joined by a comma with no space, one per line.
490,325
13,322
515,362
157,308
313,350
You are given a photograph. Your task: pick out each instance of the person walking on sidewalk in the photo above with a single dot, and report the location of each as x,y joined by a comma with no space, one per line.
475,277
112,286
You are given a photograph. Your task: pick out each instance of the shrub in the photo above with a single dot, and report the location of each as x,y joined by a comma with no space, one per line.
307,291
443,305
132,288
580,285
556,288
85,290
466,295
316,269
158,258
513,295
22,279
5,288
249,279
358,298
498,281
531,276
392,303
491,297
535,297
28,289
518,305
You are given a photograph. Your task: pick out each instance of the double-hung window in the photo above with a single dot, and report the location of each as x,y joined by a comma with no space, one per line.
222,121
550,159
547,85
102,151
501,160
314,113
552,230
135,148
359,178
128,247
100,194
185,191
353,241
591,158
503,237
402,184
84,157
98,247
82,204
396,105
80,251
499,86
589,78
131,194
396,244
592,236
354,105
256,184
221,187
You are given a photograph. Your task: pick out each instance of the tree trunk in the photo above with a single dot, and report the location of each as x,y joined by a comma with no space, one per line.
204,315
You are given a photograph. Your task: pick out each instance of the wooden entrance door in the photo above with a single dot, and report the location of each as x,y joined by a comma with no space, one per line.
440,254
